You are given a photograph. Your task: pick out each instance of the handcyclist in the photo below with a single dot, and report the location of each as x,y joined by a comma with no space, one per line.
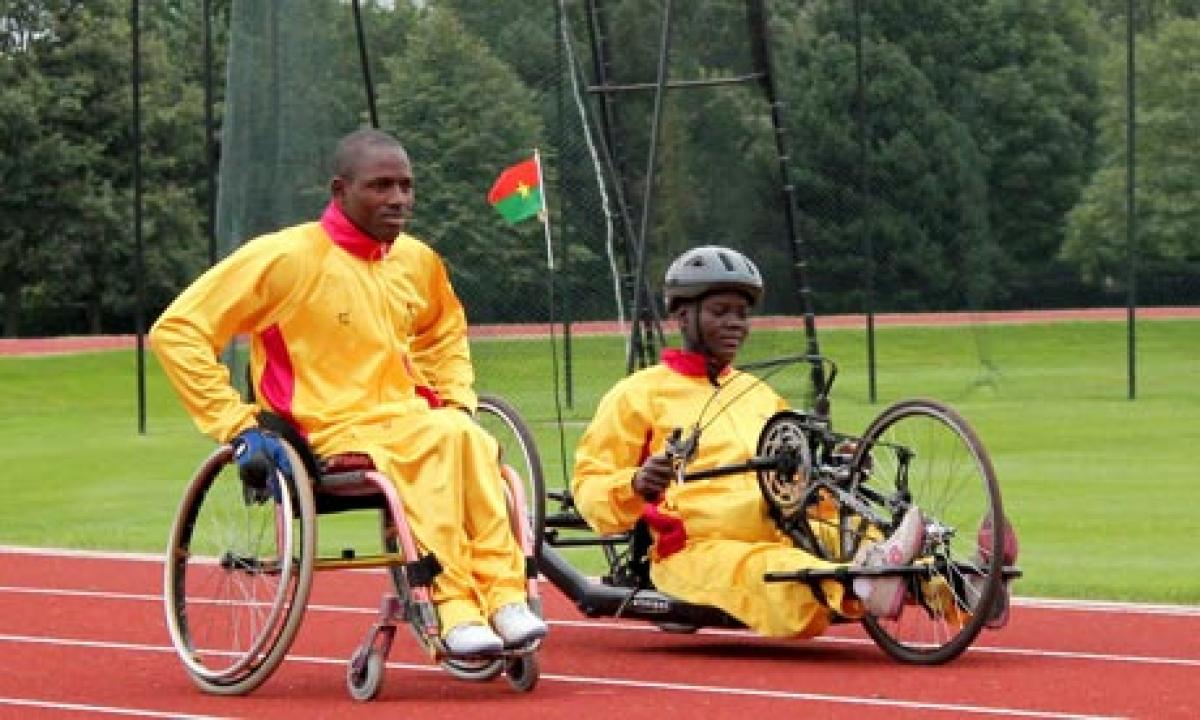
714,540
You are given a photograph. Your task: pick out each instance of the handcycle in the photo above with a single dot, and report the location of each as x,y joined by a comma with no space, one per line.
830,491
240,564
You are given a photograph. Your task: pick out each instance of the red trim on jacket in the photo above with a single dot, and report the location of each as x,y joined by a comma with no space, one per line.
431,396
278,382
346,235
689,363
349,237
672,535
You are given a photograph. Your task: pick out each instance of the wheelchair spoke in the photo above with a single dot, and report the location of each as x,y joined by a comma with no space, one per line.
236,568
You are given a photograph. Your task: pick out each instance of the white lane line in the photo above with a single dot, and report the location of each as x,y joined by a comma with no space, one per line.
104,709
648,627
958,709
1049,603
986,649
81,554
1108,606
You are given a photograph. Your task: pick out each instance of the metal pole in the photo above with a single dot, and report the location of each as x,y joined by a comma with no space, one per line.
641,294
860,102
364,60
139,263
568,377
762,60
210,144
1130,200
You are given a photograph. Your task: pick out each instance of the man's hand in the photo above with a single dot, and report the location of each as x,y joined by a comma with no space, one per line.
257,454
653,477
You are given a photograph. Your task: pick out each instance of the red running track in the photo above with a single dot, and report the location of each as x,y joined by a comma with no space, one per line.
82,635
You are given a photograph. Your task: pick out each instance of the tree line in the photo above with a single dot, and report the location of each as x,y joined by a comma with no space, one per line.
981,159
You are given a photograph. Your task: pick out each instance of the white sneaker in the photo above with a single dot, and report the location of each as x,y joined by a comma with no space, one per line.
517,625
884,596
473,638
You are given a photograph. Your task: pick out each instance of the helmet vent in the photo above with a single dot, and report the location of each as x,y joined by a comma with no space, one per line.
726,262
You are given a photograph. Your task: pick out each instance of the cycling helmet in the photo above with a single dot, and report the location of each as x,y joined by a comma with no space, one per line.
707,269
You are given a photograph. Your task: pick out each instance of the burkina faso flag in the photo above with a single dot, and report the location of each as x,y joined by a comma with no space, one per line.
517,193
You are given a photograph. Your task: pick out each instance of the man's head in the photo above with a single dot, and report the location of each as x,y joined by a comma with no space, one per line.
373,182
711,290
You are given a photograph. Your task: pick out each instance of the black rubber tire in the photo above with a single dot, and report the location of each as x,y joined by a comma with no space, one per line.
519,451
226,547
951,479
364,685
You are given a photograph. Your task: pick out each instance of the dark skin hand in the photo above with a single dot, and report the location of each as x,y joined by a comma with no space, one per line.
653,477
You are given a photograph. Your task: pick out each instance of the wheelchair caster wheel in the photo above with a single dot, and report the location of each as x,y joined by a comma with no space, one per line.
474,670
364,675
522,672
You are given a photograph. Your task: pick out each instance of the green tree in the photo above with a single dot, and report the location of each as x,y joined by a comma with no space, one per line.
463,115
1168,161
1147,14
70,196
31,159
1020,76
925,176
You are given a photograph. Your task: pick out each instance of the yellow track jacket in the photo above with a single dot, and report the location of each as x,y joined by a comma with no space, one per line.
727,541
355,342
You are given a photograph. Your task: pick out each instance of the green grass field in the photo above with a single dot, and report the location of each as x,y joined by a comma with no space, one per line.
1101,488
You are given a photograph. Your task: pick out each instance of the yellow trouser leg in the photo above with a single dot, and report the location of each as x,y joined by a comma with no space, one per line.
729,574
447,474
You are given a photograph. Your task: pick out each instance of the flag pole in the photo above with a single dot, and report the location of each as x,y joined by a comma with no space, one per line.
544,213
544,216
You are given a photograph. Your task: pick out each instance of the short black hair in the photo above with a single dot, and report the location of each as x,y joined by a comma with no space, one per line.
350,149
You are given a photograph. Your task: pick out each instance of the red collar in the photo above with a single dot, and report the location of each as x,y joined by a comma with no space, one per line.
688,363
347,236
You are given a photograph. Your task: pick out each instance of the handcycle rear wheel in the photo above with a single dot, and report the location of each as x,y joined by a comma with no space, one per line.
923,453
238,573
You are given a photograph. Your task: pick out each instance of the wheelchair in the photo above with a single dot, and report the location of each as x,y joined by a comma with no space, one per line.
830,492
240,566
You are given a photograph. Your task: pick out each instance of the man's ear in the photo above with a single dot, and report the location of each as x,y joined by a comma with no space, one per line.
337,185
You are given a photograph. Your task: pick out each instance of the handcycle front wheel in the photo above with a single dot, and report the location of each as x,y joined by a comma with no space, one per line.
923,453
237,575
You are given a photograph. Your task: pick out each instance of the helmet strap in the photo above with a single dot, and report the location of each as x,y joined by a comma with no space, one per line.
694,340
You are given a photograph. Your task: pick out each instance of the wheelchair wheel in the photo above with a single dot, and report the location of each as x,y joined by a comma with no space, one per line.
923,453
518,450
237,576
364,682
481,670
522,672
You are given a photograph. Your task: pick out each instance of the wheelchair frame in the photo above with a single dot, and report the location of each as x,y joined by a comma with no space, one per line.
828,491
234,602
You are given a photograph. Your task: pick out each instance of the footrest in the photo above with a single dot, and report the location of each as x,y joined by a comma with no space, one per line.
849,573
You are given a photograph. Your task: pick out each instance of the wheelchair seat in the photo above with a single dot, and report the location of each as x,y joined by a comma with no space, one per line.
340,482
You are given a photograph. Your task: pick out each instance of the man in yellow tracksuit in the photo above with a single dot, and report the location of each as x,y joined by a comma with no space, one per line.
714,539
359,341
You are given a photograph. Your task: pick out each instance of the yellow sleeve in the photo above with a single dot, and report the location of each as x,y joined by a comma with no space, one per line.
439,346
242,294
609,453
